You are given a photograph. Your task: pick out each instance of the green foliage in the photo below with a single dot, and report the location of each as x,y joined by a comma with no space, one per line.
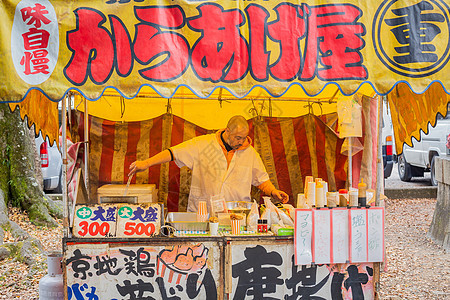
6,161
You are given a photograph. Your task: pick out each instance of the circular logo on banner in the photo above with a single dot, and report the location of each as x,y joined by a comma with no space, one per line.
412,38
125,212
84,213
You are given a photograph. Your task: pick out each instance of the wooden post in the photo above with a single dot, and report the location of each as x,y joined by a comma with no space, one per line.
380,177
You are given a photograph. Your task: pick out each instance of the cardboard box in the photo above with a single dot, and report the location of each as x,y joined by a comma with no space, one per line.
136,193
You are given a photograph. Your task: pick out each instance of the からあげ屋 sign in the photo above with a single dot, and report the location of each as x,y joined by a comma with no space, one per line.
232,44
117,220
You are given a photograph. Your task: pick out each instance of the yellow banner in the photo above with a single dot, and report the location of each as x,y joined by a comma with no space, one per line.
57,46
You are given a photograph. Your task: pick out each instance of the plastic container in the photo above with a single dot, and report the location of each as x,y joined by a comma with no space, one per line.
343,196
332,199
353,198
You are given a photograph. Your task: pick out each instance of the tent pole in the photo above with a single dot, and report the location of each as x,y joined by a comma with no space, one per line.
379,173
350,164
380,176
64,168
86,146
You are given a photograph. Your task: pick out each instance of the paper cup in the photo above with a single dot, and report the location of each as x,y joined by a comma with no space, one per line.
213,228
202,212
308,179
235,227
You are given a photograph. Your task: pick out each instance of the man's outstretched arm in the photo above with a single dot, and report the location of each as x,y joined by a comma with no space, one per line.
141,165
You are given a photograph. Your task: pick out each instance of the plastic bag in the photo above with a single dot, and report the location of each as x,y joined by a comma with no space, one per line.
217,204
252,218
277,216
271,213
285,218
349,117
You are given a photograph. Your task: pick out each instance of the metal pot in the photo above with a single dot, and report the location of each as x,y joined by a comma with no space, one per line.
239,206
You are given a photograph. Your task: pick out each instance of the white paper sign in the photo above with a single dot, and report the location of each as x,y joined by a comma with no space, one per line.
303,235
358,234
375,238
322,236
340,235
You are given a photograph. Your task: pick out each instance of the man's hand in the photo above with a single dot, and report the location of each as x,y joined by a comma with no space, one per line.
137,166
280,195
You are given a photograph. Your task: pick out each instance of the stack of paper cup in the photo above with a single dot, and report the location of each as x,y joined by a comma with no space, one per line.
325,190
235,227
202,212
320,200
311,196
308,179
301,201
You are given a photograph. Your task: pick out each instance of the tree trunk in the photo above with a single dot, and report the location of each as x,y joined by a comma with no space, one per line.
18,184
37,159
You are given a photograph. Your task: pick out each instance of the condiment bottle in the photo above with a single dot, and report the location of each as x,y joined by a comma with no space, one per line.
265,227
320,201
353,197
260,226
343,194
332,199
362,187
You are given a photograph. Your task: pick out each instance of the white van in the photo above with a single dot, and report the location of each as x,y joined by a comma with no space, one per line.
51,164
387,140
418,159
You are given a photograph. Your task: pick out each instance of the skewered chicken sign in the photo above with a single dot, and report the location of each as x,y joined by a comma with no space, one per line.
142,272
117,220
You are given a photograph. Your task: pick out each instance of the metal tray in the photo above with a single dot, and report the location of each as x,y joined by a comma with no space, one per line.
186,221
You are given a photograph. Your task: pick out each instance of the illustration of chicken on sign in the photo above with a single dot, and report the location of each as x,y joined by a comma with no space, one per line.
182,260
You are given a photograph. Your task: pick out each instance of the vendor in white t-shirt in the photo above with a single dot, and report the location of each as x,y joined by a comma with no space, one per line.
223,163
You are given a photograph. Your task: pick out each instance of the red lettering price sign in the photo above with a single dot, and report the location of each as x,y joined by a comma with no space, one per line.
95,221
141,220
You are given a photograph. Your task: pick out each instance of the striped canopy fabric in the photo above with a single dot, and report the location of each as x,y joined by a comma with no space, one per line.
291,148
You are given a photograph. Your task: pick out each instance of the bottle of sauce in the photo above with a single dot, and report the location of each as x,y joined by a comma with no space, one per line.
343,194
362,187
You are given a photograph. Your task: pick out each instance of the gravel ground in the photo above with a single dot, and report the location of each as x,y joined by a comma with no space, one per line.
416,267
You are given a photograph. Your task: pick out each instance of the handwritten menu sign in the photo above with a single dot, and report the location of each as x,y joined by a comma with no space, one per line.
303,236
138,220
117,220
375,234
339,235
92,221
358,235
322,236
